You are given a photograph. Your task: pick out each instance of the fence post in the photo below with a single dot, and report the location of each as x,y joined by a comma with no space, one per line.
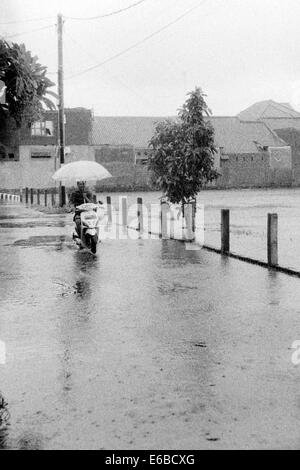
140,214
31,195
38,197
194,203
109,211
150,220
272,239
188,215
124,211
45,197
172,223
225,231
164,220
26,195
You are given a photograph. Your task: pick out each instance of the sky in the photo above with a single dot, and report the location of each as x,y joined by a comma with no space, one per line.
238,51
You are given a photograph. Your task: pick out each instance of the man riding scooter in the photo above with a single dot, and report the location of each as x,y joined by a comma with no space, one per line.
78,197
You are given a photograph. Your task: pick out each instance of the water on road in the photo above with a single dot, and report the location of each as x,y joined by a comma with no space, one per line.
248,219
145,346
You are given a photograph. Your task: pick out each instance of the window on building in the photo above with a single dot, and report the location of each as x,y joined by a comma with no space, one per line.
40,154
141,157
261,148
42,128
8,154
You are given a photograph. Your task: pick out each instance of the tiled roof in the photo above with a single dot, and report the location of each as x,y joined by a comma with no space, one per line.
268,109
283,123
237,136
233,135
127,130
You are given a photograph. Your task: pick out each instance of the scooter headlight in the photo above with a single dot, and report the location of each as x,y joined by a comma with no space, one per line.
90,223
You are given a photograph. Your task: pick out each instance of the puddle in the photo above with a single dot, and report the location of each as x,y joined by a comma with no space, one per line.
175,287
46,240
34,224
80,289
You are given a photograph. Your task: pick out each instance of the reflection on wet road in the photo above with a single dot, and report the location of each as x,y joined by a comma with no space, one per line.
146,345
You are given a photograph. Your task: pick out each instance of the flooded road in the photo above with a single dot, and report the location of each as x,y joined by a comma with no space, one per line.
248,219
145,346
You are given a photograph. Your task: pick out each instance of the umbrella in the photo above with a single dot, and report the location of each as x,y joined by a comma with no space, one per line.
83,170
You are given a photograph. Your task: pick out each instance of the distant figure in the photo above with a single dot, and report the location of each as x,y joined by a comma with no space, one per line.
78,197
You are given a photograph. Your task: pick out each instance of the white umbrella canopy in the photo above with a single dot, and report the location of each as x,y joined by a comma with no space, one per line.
82,170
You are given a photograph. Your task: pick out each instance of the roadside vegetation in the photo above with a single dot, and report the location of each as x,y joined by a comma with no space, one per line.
182,151
27,86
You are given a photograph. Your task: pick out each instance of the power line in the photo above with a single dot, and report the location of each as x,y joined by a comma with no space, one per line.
74,18
107,14
30,31
133,46
29,20
117,79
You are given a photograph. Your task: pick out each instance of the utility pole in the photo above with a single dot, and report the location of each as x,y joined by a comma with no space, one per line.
61,108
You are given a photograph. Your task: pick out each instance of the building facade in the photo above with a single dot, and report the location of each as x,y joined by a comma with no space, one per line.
284,120
121,145
29,156
249,153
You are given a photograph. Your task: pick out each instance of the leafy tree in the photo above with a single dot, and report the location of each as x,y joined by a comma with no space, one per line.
181,159
26,84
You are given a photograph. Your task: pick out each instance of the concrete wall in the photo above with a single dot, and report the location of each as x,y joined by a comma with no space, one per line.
120,162
80,152
237,170
126,176
114,153
280,157
30,172
10,175
262,169
292,137
37,172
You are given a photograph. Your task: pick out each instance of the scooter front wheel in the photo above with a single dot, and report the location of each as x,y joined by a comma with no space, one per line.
94,241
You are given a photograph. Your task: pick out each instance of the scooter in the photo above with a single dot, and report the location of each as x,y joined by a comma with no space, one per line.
90,215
